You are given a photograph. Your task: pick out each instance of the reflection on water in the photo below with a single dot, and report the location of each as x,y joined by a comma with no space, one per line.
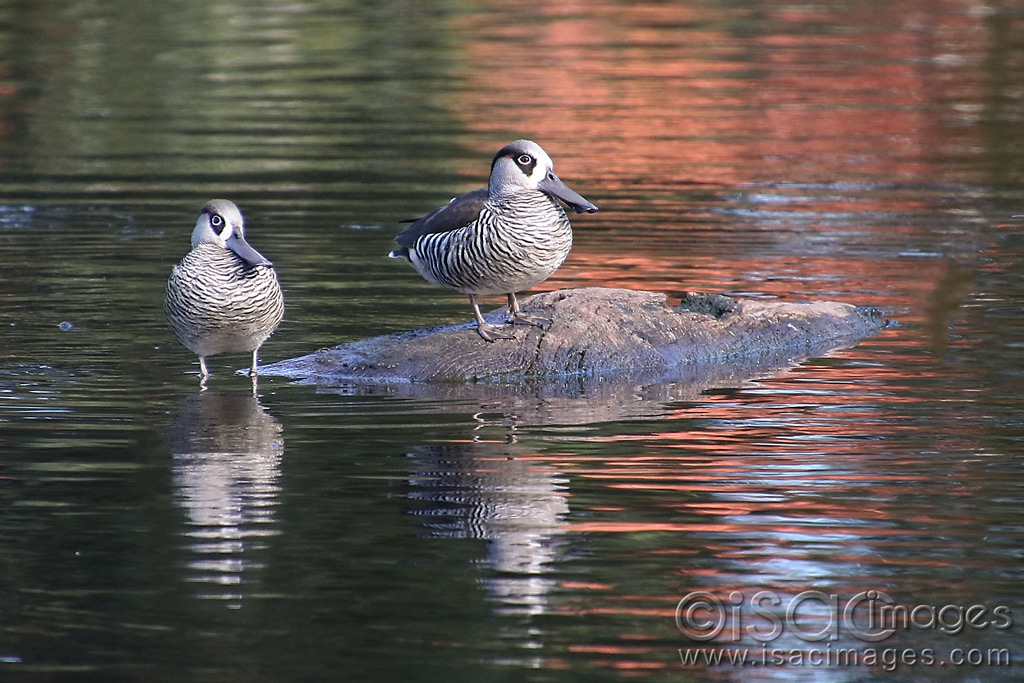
861,90
803,482
497,493
945,302
226,453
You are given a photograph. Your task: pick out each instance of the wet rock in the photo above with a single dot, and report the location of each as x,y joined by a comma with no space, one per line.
595,331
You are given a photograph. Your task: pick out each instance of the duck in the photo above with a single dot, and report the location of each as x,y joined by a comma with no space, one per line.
224,296
502,239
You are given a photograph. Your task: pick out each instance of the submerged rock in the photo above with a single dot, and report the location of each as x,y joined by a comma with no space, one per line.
595,331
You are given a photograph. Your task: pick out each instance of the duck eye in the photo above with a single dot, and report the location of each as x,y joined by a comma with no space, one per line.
216,221
525,159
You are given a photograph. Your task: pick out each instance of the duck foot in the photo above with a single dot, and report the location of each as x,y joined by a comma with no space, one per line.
523,319
491,333
486,331
517,317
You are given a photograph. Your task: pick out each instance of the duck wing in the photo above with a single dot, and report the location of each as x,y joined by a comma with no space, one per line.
458,213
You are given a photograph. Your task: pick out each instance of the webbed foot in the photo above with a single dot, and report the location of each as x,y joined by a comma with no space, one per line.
491,333
521,318
517,317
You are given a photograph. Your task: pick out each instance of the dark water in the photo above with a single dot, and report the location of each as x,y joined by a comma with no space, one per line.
868,154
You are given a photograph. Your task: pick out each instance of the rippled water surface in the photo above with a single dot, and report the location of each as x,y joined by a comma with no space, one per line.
868,153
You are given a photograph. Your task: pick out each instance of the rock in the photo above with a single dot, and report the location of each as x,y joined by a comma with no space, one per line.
595,331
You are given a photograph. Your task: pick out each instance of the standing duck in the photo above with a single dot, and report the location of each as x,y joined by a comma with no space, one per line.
224,296
500,240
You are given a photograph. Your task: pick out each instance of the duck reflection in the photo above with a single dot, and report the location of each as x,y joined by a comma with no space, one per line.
226,452
515,499
495,492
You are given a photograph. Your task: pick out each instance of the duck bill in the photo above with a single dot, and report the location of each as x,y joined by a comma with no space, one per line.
242,249
559,190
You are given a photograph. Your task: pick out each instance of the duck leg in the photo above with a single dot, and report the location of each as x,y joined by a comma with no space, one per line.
252,371
488,332
516,316
204,374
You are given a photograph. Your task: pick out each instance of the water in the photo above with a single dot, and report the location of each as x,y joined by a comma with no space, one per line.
866,154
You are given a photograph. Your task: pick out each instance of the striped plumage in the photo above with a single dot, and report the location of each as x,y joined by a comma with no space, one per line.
500,240
223,297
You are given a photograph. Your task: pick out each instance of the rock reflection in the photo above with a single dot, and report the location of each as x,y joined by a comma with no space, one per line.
589,399
226,452
497,493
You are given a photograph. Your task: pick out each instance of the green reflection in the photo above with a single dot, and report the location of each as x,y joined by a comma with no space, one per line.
118,95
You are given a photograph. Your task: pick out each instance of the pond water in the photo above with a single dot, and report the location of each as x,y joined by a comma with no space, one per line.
869,153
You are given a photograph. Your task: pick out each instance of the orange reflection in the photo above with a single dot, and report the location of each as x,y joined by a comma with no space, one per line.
745,495
682,91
